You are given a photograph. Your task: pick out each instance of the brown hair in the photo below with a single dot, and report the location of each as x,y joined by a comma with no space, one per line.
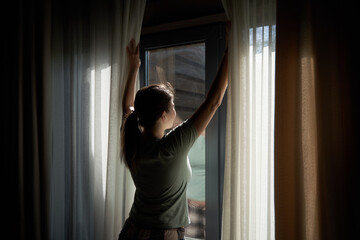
150,103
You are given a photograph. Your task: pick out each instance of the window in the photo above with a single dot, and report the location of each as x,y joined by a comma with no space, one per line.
188,59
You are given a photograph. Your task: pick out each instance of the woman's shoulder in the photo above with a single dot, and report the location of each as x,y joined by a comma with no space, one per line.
182,136
185,128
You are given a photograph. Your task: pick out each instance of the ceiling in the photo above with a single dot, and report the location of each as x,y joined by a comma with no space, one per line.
167,11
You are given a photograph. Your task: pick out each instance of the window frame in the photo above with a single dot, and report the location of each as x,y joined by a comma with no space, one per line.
213,35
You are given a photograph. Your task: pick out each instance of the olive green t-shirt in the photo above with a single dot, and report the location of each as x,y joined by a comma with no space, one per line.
161,178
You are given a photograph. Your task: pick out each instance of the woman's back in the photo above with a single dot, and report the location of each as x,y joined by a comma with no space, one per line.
161,176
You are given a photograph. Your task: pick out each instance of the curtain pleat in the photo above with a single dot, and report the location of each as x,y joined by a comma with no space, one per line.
119,188
27,128
91,190
315,123
248,208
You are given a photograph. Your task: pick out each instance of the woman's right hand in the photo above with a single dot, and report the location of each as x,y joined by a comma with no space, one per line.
133,55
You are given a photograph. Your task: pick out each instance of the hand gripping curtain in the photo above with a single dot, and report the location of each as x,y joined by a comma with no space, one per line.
91,190
248,201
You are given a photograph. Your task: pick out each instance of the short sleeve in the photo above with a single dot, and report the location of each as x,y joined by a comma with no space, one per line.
181,138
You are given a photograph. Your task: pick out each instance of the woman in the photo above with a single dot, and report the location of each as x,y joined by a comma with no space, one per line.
158,162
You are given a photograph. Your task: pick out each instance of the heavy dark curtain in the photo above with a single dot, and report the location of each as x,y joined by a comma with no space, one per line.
26,131
316,120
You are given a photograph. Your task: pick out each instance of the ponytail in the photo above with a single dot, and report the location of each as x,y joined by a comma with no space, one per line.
130,134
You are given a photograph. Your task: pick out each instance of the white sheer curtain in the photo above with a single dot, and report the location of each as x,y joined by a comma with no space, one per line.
120,189
90,189
248,207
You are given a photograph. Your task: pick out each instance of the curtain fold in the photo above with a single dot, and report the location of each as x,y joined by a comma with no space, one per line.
26,129
88,182
120,188
248,205
316,123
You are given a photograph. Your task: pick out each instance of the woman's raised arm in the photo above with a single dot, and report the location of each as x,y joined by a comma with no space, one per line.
212,102
207,109
134,64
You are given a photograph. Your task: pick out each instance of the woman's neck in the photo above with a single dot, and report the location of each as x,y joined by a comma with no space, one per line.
155,133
